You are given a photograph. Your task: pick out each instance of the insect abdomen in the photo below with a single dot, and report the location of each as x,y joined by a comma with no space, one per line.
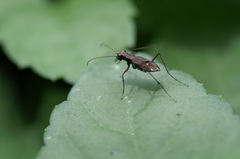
146,66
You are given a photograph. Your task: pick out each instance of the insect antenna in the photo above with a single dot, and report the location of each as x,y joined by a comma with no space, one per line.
103,56
98,58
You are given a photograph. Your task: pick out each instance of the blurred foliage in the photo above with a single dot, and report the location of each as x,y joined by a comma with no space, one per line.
197,24
59,38
198,37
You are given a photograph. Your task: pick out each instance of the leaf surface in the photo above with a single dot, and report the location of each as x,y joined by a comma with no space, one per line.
96,123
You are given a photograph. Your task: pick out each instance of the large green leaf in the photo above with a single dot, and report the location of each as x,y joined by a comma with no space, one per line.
57,38
96,123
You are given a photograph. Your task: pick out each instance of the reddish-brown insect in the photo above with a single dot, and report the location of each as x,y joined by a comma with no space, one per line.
139,63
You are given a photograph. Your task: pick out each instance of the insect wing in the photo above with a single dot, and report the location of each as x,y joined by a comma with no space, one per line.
144,64
150,66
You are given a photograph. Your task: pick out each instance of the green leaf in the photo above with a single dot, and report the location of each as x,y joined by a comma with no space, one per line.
57,39
96,123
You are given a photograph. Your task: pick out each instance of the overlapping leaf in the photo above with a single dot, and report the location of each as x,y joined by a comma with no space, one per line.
56,39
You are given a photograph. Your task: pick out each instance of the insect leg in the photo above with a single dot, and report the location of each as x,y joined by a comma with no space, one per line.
162,86
140,48
123,78
166,68
155,57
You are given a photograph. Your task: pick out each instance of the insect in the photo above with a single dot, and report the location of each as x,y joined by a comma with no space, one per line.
139,63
